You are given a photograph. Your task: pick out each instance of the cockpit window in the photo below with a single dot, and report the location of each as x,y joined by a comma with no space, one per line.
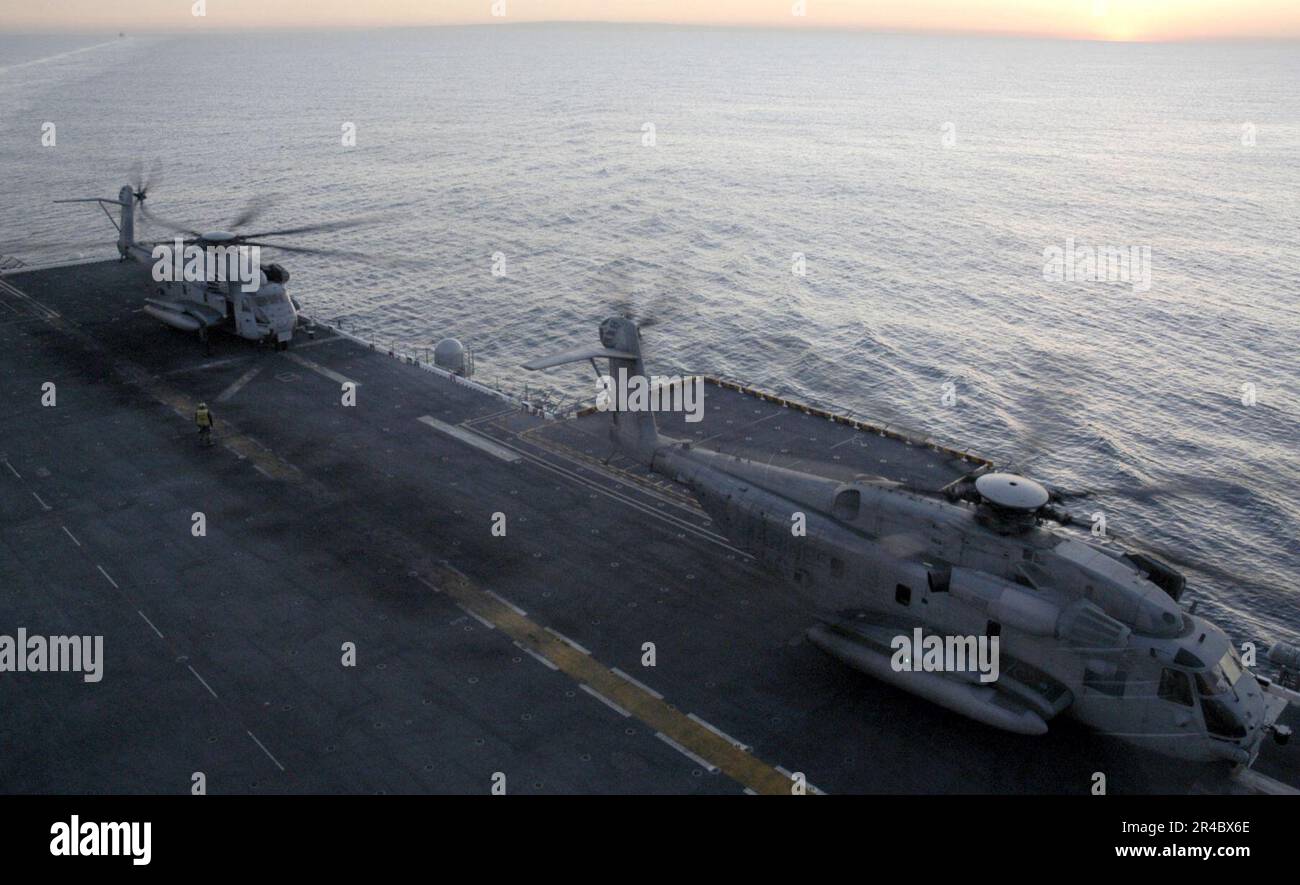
1174,686
1212,682
1231,666
1222,677
1219,720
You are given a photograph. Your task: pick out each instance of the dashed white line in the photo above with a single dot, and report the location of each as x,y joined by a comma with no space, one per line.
703,763
476,616
641,685
719,732
539,658
790,774
44,506
150,623
71,535
566,640
507,603
201,679
11,470
108,577
265,750
604,700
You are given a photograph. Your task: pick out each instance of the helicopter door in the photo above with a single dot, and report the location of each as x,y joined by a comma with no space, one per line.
245,316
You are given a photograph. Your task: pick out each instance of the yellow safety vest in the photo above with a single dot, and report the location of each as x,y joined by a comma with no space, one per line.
202,418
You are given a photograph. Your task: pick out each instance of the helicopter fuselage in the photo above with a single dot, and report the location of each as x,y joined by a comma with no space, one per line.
265,313
1080,627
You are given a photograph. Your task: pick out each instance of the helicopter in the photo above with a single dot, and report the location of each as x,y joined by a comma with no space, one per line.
893,573
225,285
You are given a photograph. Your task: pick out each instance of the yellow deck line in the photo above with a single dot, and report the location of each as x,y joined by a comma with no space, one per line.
656,713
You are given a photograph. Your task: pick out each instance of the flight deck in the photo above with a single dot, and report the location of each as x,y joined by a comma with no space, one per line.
437,588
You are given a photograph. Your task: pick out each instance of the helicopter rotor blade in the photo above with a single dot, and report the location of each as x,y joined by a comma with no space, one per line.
346,254
250,212
309,250
141,182
166,224
325,226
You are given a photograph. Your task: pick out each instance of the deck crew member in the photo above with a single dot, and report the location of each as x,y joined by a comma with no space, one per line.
203,418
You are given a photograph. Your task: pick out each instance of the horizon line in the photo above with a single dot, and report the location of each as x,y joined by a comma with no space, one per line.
757,26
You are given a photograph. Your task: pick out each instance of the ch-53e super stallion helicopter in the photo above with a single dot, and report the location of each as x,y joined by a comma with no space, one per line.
252,305
1083,628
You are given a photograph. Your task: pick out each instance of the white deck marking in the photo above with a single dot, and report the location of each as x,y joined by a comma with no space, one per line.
507,603
596,486
12,290
213,364
604,700
238,384
541,659
790,774
108,577
201,679
71,535
11,470
719,732
150,623
476,616
265,750
641,685
469,437
566,640
321,370
44,506
703,763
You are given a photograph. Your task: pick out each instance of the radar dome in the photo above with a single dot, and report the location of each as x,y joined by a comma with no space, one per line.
451,355
1012,492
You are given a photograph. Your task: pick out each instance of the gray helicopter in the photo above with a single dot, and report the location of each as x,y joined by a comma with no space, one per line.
216,279
898,575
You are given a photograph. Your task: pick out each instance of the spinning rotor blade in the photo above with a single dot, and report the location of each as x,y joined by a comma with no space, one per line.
321,227
191,233
311,250
141,183
1184,561
251,212
347,254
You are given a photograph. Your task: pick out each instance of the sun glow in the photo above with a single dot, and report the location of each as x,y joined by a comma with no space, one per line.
1119,20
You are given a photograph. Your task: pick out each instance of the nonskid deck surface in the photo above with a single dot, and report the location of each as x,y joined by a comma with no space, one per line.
475,654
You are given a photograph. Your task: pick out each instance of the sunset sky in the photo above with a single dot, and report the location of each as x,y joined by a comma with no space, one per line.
1078,19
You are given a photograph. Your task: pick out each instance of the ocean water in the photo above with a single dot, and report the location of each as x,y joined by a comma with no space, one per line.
921,179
